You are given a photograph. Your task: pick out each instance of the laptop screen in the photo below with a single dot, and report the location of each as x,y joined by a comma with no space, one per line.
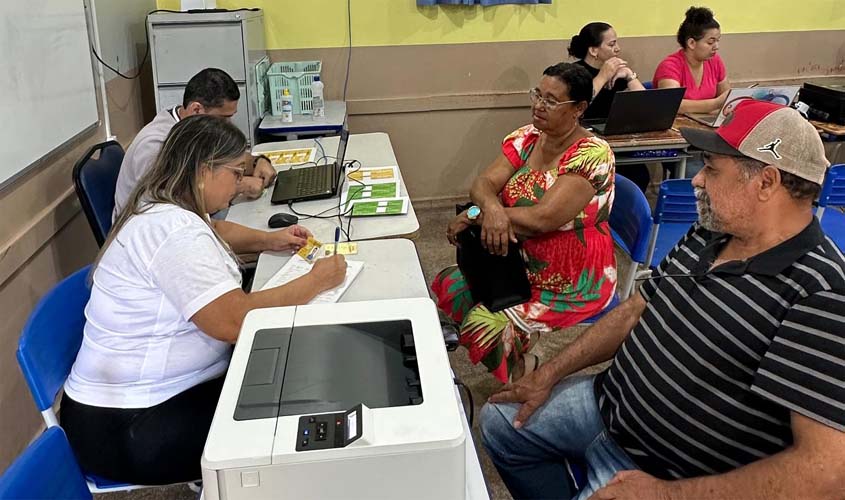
779,95
341,146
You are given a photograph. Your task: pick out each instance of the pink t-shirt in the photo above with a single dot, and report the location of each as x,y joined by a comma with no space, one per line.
675,67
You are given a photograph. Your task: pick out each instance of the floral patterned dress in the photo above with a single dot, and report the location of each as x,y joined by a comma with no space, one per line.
572,270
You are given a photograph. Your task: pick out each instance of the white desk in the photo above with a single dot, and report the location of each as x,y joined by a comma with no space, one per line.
372,150
331,123
391,270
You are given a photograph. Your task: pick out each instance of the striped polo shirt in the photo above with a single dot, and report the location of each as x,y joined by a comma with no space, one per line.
706,381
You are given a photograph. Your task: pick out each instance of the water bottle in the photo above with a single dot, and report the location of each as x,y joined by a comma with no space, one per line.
287,107
318,106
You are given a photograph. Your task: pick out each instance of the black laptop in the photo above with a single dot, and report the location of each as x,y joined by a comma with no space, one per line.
634,111
311,183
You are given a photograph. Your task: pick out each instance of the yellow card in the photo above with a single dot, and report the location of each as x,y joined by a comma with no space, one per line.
290,156
374,174
346,248
311,250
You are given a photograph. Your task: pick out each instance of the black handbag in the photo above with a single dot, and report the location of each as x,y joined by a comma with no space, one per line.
496,281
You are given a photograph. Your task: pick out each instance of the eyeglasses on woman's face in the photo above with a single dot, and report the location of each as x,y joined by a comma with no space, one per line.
239,171
548,103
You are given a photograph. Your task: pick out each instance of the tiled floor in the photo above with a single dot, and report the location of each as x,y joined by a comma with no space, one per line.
435,253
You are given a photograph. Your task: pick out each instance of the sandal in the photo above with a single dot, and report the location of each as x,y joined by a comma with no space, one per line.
528,367
534,365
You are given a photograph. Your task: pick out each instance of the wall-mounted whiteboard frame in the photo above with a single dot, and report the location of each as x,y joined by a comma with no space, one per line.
47,88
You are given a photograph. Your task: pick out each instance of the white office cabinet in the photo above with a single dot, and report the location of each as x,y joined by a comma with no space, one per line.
183,44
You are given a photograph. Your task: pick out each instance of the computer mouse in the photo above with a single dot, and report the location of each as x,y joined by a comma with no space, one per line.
282,220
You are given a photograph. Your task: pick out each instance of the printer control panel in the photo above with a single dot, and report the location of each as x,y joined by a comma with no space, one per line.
329,430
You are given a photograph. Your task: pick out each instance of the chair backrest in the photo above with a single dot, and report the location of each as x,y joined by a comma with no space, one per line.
833,189
630,223
46,469
95,181
630,219
51,338
676,202
676,211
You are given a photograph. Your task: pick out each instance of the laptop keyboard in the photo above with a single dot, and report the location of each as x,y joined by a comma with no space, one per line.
314,180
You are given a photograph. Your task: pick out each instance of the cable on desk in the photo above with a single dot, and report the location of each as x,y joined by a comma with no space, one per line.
351,164
340,213
469,396
322,151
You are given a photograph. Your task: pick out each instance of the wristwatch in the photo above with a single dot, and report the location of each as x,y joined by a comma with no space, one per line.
473,212
633,76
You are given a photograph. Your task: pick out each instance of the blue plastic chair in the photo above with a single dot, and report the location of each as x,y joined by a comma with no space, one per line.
51,338
833,195
648,85
674,213
46,469
630,225
94,181
47,349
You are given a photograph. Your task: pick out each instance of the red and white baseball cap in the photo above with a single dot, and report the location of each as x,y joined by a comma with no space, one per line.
773,134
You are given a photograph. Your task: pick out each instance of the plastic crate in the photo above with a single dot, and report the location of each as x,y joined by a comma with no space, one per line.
297,78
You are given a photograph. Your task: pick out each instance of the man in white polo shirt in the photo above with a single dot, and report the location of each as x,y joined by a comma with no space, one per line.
211,91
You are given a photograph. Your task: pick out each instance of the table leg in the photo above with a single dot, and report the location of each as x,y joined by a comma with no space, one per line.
682,169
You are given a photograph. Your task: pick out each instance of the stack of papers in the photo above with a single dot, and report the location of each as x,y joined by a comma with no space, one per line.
374,191
297,266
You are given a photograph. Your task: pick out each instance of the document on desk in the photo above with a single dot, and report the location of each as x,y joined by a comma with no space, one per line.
289,156
297,266
373,175
370,192
386,206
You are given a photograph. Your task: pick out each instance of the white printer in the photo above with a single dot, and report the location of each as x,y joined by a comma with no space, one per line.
338,401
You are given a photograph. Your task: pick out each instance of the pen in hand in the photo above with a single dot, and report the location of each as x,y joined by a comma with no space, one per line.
336,240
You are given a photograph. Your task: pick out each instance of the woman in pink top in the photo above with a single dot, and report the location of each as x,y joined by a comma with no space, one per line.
697,66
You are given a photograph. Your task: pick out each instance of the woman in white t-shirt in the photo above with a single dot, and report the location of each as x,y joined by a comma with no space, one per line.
166,304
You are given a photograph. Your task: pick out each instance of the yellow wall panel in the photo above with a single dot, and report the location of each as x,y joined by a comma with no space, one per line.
294,24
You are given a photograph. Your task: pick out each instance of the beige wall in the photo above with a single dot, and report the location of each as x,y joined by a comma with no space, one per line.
447,107
43,234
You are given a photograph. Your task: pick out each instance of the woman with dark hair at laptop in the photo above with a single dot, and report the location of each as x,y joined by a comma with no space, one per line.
166,305
696,66
596,48
552,187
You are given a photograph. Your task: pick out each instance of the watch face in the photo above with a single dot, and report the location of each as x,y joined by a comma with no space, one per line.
473,212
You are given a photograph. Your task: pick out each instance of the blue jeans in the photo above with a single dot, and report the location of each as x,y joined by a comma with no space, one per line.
532,460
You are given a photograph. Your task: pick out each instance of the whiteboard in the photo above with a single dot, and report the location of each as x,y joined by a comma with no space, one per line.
46,80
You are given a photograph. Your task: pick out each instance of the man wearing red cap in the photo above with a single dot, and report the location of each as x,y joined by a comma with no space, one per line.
727,377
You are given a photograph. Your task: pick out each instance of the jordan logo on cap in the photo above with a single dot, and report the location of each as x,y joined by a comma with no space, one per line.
771,147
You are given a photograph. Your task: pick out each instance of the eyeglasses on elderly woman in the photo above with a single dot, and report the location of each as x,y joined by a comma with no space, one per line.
549,104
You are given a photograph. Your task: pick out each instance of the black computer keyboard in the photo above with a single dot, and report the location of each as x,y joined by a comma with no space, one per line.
314,180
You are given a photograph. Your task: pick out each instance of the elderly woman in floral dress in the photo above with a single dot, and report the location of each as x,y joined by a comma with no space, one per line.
552,187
